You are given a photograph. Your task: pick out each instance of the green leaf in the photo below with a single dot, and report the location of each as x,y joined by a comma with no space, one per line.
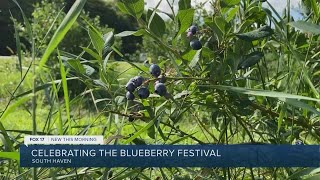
10,155
148,107
312,86
259,92
195,59
58,117
260,33
306,27
26,21
130,33
65,91
315,7
221,23
185,19
152,132
43,86
281,116
89,70
62,30
151,123
213,26
207,53
134,8
18,46
300,104
106,61
117,51
232,13
184,4
108,39
108,42
76,65
92,53
188,55
97,41
12,108
156,23
250,60
304,172
313,177
9,110
229,3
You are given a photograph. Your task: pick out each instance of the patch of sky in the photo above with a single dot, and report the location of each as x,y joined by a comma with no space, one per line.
296,7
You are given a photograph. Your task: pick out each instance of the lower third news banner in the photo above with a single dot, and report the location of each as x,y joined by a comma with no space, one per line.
170,156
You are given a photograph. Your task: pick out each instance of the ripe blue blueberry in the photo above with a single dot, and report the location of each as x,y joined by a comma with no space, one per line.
143,93
193,29
130,86
129,95
195,44
138,80
160,89
155,70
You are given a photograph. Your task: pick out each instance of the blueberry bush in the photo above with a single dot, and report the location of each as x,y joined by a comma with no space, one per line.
242,73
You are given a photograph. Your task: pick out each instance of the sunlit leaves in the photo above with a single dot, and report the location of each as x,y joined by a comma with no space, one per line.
184,4
62,30
185,19
156,23
132,7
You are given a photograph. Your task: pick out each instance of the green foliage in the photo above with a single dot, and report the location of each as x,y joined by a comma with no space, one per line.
133,7
48,18
156,23
62,30
249,83
111,16
184,4
185,19
7,44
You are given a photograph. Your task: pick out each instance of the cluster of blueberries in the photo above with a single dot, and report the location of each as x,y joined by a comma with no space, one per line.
194,43
138,82
134,83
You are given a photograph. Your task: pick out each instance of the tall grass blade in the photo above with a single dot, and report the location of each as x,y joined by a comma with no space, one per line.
259,92
9,110
62,30
60,123
151,123
52,25
25,19
18,44
10,155
65,91
315,8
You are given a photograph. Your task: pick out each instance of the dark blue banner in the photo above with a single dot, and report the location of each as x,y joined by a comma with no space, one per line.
170,156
